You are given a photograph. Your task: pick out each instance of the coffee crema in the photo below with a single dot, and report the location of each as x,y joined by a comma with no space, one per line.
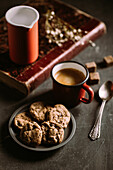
69,76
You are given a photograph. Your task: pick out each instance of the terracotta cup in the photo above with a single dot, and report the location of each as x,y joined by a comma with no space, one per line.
22,22
71,95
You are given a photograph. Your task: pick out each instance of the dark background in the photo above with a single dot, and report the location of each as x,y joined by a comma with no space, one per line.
80,153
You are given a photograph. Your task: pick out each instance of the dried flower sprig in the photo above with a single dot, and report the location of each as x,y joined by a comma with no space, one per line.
59,31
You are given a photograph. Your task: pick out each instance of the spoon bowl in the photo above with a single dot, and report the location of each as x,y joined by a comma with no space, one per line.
105,91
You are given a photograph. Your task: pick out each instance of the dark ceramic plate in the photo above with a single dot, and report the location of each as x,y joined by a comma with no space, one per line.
69,132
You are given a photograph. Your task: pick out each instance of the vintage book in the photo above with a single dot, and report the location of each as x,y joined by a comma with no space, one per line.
64,31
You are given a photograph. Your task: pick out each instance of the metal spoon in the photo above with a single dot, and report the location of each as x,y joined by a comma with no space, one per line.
105,93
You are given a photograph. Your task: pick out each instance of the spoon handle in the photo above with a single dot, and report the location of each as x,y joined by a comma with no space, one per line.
95,131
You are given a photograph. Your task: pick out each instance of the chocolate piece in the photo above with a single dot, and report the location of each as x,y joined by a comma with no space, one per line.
91,66
108,60
28,77
94,78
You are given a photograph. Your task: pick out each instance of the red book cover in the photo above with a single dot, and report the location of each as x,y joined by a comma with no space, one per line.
64,31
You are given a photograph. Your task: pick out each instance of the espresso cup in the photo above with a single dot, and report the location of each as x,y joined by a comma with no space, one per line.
69,84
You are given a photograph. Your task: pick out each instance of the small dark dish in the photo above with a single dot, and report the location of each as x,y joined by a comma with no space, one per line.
69,132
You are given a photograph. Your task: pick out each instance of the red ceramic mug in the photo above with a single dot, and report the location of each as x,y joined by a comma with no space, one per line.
67,94
22,22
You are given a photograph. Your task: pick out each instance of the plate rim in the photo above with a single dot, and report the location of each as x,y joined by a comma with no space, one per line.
11,132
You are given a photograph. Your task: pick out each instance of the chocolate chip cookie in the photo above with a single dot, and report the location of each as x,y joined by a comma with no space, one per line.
52,133
38,111
42,124
59,114
31,134
22,119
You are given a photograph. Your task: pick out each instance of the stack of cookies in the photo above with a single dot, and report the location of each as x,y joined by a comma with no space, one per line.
42,124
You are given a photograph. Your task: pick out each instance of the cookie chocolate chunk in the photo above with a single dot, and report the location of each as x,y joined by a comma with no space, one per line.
31,134
38,111
108,60
22,119
59,114
52,133
94,78
91,66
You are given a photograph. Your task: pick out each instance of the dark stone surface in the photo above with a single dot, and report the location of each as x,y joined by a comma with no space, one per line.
80,153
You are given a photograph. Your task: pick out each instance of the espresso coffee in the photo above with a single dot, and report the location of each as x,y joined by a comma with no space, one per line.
69,76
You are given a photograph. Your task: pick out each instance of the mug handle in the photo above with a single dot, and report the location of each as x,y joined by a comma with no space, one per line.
90,92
